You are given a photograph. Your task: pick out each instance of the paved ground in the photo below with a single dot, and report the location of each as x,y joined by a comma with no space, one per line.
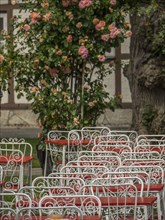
19,132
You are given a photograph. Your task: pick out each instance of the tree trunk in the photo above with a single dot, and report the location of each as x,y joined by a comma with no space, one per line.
145,75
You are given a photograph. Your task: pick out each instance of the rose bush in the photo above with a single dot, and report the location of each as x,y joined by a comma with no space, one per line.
58,58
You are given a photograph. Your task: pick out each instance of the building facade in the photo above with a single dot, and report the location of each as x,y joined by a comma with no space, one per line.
17,112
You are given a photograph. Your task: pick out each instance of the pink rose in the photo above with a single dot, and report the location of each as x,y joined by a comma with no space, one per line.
113,2
65,3
45,4
101,58
34,17
114,32
53,72
128,33
83,51
100,25
47,16
105,37
1,58
84,3
69,38
26,27
34,89
33,21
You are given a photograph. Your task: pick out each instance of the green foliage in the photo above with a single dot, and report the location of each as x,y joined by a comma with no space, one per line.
57,55
148,116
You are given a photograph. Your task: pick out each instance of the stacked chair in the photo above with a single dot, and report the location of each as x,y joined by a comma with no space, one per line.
96,174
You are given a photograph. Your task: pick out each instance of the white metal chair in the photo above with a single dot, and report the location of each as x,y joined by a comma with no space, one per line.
11,161
58,181
55,152
114,195
90,205
13,201
48,213
86,177
120,149
154,139
114,161
111,165
27,150
160,149
131,134
156,175
36,193
97,170
86,136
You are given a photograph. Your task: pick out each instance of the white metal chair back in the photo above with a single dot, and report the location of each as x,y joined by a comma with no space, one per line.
142,161
119,149
11,161
111,139
17,144
97,153
131,134
54,154
155,172
115,161
111,165
14,201
53,181
97,170
87,177
152,139
160,149
27,151
90,133
39,191
115,190
83,139
90,205
54,212
140,174
7,213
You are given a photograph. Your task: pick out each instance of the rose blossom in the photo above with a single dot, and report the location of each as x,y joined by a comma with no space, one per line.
128,33
45,4
113,2
34,89
75,121
26,27
105,37
95,21
65,3
79,25
83,51
69,38
53,72
100,25
1,58
34,17
84,3
101,58
47,16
